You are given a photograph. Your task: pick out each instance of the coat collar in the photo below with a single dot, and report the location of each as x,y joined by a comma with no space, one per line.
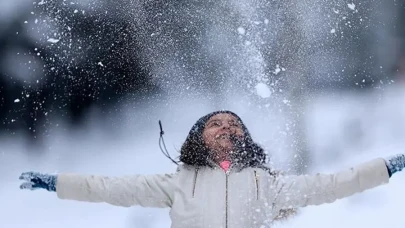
234,167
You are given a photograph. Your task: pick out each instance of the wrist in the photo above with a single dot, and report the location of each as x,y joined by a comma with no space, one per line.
52,183
395,163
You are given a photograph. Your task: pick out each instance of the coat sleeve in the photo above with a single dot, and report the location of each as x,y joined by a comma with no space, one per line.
145,191
305,190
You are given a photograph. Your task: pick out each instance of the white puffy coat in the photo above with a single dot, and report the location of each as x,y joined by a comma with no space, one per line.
208,197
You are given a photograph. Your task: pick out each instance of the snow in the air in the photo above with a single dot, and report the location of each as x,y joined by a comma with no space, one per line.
262,90
352,6
278,69
53,40
241,30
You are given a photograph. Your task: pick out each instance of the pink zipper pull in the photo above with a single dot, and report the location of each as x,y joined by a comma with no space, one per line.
225,165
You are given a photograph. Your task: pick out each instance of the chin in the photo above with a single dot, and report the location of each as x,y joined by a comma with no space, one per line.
227,148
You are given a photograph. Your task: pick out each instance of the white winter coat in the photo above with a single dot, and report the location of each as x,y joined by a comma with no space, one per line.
208,197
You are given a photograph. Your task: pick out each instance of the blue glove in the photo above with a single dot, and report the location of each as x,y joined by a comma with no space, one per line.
37,180
395,163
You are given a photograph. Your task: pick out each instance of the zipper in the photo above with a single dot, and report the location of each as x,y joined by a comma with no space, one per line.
257,184
195,181
226,201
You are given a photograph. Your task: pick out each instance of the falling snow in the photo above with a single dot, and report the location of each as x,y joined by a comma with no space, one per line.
241,30
53,40
278,69
263,90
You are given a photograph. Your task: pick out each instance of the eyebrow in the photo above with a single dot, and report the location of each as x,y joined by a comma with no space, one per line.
236,122
213,120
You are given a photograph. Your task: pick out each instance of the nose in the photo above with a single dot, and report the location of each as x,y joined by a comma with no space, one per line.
226,125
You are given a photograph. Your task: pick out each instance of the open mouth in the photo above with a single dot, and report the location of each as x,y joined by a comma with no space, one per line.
223,136
228,136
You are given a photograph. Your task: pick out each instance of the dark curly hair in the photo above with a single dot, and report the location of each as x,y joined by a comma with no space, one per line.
195,152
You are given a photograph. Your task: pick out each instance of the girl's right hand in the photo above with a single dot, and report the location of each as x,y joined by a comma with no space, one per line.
34,180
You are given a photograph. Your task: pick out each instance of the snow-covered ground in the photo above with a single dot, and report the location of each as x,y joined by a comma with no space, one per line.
342,130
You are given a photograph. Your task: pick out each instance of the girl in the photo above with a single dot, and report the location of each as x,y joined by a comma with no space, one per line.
221,181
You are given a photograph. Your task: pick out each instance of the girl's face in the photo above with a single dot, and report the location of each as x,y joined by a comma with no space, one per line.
217,134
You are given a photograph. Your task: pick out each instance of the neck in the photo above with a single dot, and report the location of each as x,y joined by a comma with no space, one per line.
224,164
222,156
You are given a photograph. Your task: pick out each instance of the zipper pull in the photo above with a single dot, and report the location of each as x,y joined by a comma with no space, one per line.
257,184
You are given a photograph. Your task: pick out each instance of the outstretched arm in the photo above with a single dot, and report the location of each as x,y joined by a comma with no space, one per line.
142,190
305,190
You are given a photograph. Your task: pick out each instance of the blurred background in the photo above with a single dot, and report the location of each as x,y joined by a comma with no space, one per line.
320,84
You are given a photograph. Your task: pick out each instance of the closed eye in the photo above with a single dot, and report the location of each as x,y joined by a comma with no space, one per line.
234,124
214,124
